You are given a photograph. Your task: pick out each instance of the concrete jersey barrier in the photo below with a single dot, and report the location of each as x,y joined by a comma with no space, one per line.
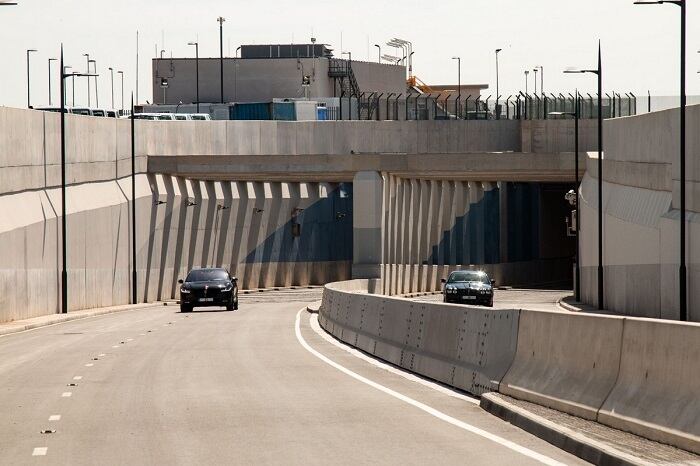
568,362
465,347
657,394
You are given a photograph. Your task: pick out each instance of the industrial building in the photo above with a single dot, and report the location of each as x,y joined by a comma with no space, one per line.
267,72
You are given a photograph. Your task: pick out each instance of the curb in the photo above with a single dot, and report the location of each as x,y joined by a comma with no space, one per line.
566,306
314,307
559,436
279,288
419,294
17,326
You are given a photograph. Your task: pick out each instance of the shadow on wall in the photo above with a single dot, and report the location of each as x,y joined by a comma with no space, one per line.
324,233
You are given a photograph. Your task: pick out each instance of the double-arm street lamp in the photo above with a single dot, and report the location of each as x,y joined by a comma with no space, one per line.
64,248
196,48
599,73
29,98
682,273
576,114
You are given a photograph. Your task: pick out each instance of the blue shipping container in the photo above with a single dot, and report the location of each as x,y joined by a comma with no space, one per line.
322,113
250,111
284,111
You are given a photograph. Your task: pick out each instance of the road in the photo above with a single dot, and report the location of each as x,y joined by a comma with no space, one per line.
260,385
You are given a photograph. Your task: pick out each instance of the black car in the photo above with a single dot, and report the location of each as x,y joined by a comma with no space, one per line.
208,287
469,287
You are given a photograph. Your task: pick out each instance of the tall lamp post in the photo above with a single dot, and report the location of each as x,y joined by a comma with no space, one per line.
541,68
122,74
576,114
221,21
683,276
134,282
527,73
196,48
97,94
87,71
459,84
379,55
50,60
64,243
111,78
498,111
535,71
29,95
599,73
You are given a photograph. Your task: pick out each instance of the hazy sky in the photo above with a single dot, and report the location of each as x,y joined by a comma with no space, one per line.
640,43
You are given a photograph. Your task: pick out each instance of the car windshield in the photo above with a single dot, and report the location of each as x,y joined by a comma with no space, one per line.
207,275
164,117
199,117
98,113
469,277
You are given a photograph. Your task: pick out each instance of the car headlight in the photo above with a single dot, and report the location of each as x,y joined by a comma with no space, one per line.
228,288
184,291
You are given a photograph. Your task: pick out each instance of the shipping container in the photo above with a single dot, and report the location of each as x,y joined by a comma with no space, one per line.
306,110
250,111
284,111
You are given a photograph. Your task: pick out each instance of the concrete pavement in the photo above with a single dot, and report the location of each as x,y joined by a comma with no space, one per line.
154,386
535,299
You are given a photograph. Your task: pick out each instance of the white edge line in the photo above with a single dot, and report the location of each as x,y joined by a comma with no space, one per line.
423,407
313,321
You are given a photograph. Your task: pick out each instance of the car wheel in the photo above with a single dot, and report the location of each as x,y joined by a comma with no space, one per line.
235,305
185,308
230,306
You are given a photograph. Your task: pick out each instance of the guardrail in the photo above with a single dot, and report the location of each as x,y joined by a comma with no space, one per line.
637,375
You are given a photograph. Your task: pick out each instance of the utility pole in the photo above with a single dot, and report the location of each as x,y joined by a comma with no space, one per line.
221,21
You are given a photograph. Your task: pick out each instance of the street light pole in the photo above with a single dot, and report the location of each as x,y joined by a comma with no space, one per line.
527,72
379,55
29,98
50,60
87,58
97,94
196,46
682,272
221,21
498,112
122,73
111,78
535,71
459,84
134,282
599,73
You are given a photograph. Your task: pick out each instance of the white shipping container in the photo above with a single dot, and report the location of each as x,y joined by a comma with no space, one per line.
306,110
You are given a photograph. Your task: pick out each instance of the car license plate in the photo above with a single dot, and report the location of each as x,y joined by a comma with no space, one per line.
469,298
206,300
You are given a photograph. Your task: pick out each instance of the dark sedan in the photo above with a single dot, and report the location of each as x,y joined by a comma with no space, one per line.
469,287
208,287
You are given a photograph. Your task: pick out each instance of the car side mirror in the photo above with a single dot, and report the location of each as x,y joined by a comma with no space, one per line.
181,281
493,282
443,280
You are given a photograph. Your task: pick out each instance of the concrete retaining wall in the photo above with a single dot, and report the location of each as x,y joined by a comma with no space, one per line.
637,375
243,226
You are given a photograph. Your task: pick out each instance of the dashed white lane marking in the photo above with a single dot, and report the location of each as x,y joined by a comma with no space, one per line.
67,394
313,322
40,451
89,364
129,339
115,346
142,334
101,355
77,377
55,417
423,407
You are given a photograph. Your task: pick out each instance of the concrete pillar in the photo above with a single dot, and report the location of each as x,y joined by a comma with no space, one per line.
368,206
413,235
503,220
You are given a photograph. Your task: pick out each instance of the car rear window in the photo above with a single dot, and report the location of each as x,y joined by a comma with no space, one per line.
207,275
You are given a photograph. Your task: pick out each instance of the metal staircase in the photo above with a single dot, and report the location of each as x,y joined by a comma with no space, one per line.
341,72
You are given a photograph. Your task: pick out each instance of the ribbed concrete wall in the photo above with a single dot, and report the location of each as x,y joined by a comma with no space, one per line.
641,195
243,226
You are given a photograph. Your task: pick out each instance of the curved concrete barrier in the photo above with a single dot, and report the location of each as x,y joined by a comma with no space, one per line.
657,394
465,347
568,362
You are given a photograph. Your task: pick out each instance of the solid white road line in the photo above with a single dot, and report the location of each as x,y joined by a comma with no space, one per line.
40,451
77,377
67,394
313,321
55,417
89,364
423,407
115,346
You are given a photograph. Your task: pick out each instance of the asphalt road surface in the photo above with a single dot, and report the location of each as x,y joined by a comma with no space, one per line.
535,299
261,385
